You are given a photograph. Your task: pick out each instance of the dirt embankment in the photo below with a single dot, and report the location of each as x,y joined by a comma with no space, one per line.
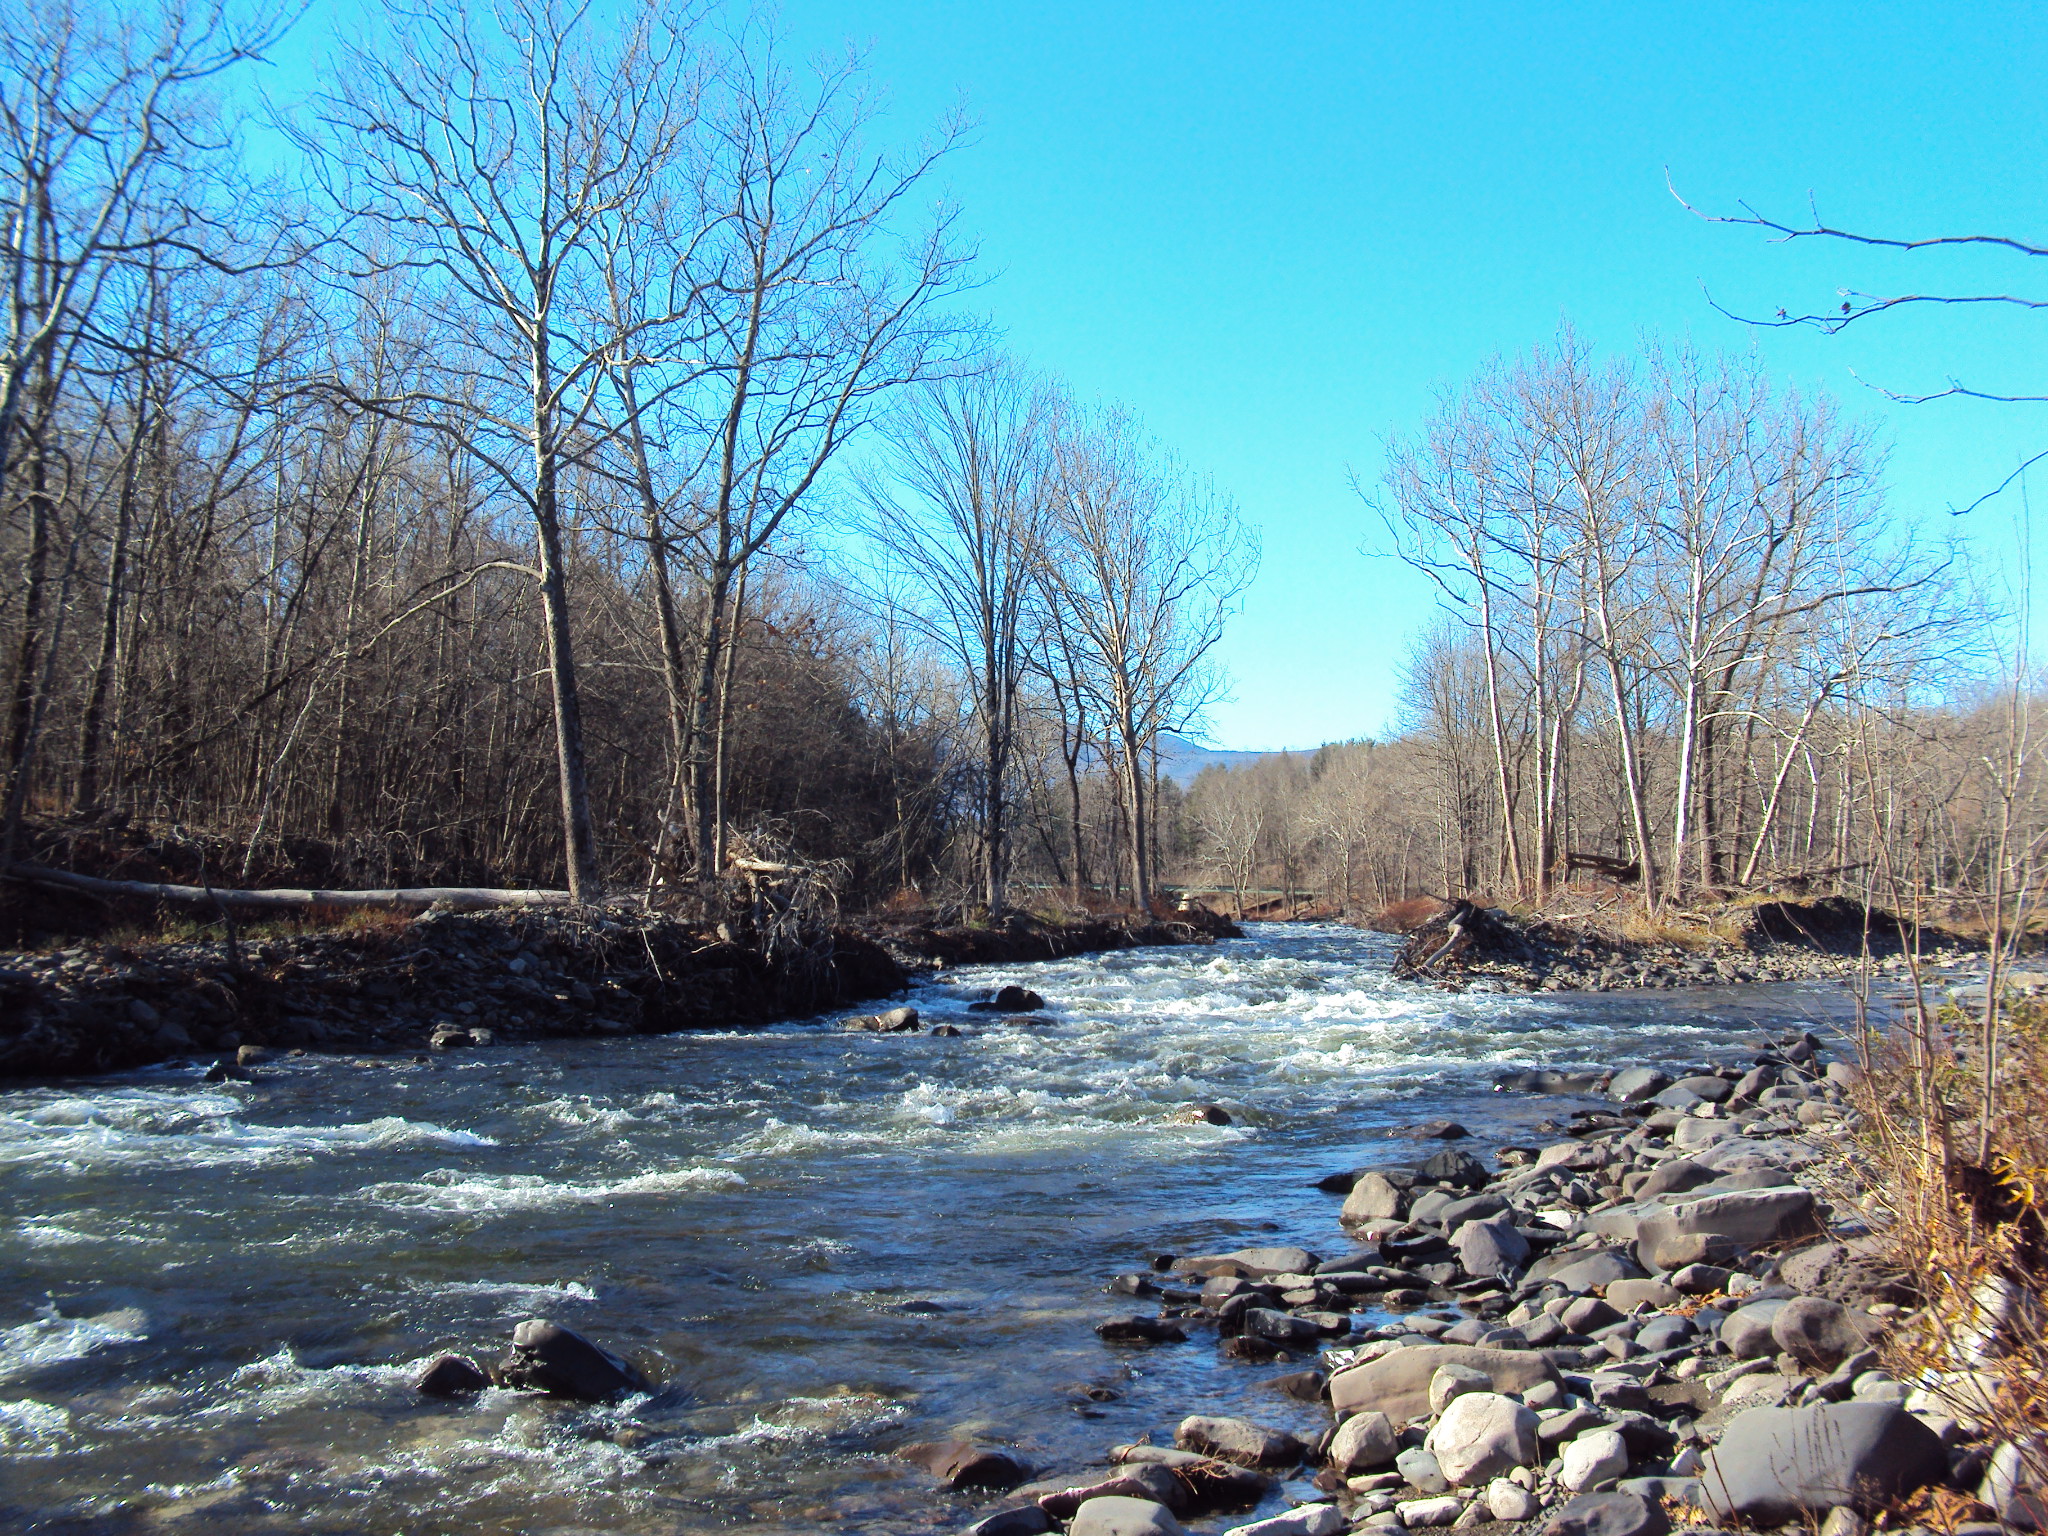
1462,945
447,979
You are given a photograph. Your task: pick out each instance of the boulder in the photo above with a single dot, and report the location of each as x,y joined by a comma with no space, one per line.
960,1465
1251,1263
1595,1458
1030,1520
1778,1464
547,1357
1397,1383
1373,1197
1307,1520
1713,1089
1588,1313
1627,1295
1442,1130
1118,1516
1585,1270
1239,1441
1666,1332
1821,1333
1675,1176
1452,1166
1016,999
451,1376
893,1021
1139,1329
1452,1382
1362,1443
1144,1480
1608,1514
1705,1229
1635,1084
1481,1436
1491,1248
1472,1208
1283,1328
1699,1279
1747,1333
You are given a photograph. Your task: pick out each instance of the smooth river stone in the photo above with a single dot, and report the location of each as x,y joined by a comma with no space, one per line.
1397,1384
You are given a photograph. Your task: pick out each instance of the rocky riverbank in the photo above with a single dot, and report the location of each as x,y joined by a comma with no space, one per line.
1676,1315
452,980
1462,946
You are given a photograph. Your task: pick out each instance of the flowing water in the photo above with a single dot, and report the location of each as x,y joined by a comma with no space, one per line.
212,1297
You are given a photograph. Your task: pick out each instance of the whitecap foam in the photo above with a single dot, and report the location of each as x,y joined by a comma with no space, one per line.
457,1192
30,1428
161,1128
53,1339
517,1296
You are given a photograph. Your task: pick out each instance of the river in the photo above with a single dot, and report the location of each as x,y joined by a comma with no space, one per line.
213,1297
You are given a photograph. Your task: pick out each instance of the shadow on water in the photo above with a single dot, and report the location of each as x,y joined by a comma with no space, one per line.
212,1298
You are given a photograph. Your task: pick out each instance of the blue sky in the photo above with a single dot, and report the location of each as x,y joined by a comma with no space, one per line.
1275,230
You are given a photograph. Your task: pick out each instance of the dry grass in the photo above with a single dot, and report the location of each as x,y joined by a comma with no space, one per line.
1963,1212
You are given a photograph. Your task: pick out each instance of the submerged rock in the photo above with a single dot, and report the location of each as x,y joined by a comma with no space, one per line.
961,1464
451,1376
547,1357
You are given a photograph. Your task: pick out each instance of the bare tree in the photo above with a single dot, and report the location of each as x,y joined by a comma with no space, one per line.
489,155
1145,562
962,510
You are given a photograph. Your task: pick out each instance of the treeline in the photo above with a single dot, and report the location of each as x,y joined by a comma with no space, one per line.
573,463
1687,650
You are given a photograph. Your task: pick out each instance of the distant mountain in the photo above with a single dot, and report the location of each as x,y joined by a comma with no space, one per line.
1180,759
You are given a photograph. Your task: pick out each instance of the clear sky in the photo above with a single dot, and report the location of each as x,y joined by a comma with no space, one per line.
1275,230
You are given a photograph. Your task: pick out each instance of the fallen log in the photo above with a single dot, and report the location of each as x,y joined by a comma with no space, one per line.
461,897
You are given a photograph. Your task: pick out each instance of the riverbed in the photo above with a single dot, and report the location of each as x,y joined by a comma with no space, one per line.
824,1244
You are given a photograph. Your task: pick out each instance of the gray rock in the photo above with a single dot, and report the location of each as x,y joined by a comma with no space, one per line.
1397,1383
2016,1485
961,1465
1373,1197
1454,1381
1250,1263
1453,1166
1713,1089
1509,1501
1362,1443
1747,1333
1599,1456
1306,1520
1283,1328
1636,1084
1239,1441
1481,1436
1699,1279
1667,1332
451,1376
1426,1512
1583,1270
1776,1464
1419,1470
1627,1295
1705,1229
1491,1247
1587,1314
1821,1333
1608,1514
1030,1520
547,1357
1472,1208
1117,1516
1675,1176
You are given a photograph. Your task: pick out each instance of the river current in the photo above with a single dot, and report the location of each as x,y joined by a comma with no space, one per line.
824,1244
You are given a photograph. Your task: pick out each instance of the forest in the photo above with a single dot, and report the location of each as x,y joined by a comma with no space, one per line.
566,454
